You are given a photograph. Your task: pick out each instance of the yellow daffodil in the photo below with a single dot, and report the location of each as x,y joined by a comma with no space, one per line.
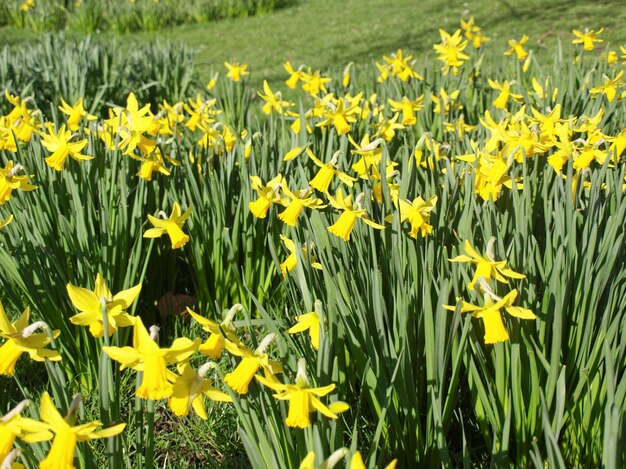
75,114
13,425
9,181
451,51
327,172
473,32
313,83
505,93
303,198
268,194
587,38
487,266
22,121
292,260
146,356
418,214
273,101
20,337
294,153
189,388
350,212
66,436
371,154
340,113
303,399
490,313
131,123
239,379
609,86
294,75
60,146
90,304
387,127
407,108
517,48
172,225
446,101
151,163
308,322
236,71
214,345
356,462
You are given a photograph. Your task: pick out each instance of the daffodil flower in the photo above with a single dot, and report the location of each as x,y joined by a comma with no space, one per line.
189,389
294,75
75,114
20,337
236,71
517,48
10,181
490,313
340,113
303,399
60,146
505,93
418,214
146,356
239,379
609,86
273,101
290,263
90,304
268,194
66,436
172,225
131,123
407,108
371,153
327,172
13,425
214,345
486,266
451,51
351,211
303,198
587,38
308,322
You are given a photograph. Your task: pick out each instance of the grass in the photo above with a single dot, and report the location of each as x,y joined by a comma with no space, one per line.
324,33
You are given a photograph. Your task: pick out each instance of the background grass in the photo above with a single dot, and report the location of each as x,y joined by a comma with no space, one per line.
324,33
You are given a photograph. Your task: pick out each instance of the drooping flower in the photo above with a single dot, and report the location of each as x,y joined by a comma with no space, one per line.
189,389
351,211
517,48
273,101
308,322
172,225
10,181
214,345
587,37
13,425
90,304
20,338
327,172
268,194
75,114
290,263
146,356
239,379
302,398
66,436
487,266
490,313
303,198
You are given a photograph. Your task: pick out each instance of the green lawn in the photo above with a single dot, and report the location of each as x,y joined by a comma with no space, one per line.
328,33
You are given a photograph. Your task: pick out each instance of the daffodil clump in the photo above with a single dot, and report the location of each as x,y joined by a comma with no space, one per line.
351,217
